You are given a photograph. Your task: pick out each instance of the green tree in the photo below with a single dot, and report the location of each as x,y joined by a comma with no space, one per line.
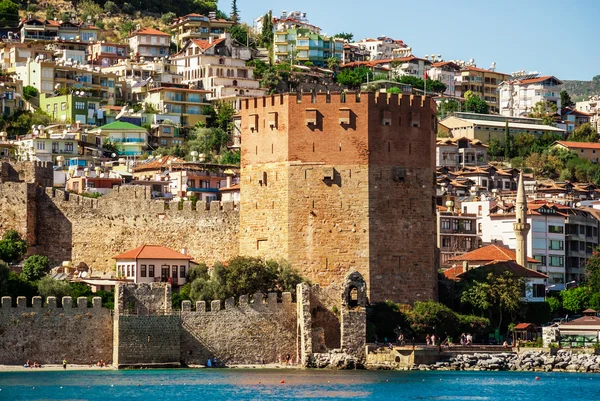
565,99
225,114
231,157
576,299
266,36
168,18
584,133
9,14
545,111
111,7
447,106
475,104
49,287
35,267
497,295
333,63
415,82
344,35
239,33
12,247
111,147
508,143
523,143
235,12
432,318
30,92
436,86
554,303
394,90
353,77
495,148
4,276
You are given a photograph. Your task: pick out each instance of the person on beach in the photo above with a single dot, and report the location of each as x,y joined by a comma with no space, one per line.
27,364
463,339
433,339
64,363
469,339
215,361
209,363
427,339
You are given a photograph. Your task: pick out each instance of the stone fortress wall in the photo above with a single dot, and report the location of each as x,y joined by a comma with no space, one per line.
49,334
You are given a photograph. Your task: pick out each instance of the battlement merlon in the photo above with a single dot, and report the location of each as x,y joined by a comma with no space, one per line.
270,304
51,304
372,99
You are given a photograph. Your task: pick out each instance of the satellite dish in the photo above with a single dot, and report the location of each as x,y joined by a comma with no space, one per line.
84,274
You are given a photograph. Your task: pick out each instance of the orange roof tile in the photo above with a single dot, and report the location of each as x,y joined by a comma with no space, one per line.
152,252
235,187
580,145
205,44
539,79
490,253
149,31
496,267
158,163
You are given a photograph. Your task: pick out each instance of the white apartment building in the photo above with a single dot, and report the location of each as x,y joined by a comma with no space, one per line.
519,95
447,73
381,47
412,66
219,67
45,146
149,42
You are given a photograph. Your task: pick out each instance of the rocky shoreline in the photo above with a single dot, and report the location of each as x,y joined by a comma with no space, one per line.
525,361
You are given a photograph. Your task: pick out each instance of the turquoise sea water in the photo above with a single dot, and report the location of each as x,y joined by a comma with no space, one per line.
259,384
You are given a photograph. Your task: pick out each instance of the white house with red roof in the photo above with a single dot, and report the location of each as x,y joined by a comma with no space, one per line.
519,95
218,66
153,263
149,42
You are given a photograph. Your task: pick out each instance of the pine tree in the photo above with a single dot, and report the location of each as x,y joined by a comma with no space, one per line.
507,142
235,13
267,30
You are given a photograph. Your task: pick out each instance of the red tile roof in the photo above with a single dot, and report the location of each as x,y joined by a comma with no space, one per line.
205,44
158,163
524,326
497,268
490,253
580,145
477,69
152,252
540,79
149,31
235,187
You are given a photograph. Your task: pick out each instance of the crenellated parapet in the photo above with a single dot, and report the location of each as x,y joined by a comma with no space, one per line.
67,305
258,302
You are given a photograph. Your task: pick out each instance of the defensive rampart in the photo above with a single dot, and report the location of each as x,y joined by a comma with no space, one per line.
77,228
49,334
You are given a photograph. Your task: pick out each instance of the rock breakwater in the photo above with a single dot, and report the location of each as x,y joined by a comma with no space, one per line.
529,361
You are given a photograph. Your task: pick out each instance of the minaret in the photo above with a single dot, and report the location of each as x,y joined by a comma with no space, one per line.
521,226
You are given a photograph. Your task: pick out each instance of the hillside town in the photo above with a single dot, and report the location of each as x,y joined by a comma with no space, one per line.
205,149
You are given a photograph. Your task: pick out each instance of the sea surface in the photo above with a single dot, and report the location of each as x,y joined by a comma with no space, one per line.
262,384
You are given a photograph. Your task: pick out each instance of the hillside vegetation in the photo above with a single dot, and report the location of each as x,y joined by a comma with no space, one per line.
580,90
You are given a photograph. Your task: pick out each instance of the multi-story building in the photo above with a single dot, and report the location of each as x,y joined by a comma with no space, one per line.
457,233
196,26
36,29
176,99
300,45
353,53
411,66
166,134
455,153
338,202
572,119
47,76
44,145
487,126
518,95
16,54
219,68
149,42
483,83
585,150
590,106
446,72
106,54
561,237
10,95
381,47
76,107
131,140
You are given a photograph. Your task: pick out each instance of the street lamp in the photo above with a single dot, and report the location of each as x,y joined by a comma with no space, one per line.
548,290
570,282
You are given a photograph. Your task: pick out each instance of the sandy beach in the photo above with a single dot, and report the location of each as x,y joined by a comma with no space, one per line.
46,368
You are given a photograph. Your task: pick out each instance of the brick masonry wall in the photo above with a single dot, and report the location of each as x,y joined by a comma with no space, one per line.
339,158
48,334
243,333
71,227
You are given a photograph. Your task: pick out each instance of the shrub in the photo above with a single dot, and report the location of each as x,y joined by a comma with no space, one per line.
433,318
111,7
168,18
12,247
35,267
128,8
49,287
30,92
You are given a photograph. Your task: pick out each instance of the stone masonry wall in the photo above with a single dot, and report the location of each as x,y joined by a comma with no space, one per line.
48,334
72,227
246,333
146,341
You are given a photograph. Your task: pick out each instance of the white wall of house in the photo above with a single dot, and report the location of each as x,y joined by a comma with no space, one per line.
151,270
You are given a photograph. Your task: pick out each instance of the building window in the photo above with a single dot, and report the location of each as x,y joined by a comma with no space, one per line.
445,224
556,229
142,270
80,105
63,106
539,243
556,278
69,146
174,272
41,145
538,226
468,226
555,245
445,242
541,258
557,261
150,270
539,290
181,271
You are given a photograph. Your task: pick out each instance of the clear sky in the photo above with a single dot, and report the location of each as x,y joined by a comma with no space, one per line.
554,37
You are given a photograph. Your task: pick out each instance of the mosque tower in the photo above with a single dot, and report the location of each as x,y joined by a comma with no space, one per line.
521,226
